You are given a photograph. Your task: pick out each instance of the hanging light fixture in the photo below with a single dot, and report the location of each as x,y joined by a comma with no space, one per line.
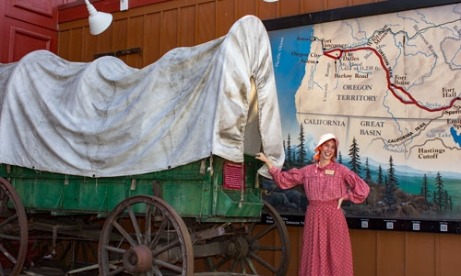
270,1
98,21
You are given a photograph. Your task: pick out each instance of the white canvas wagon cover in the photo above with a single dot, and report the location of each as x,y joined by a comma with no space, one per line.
104,118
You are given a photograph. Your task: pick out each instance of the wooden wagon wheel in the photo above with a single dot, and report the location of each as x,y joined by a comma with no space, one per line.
13,230
250,254
145,236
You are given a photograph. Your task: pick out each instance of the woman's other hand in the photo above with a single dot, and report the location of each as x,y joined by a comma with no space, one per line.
261,156
340,202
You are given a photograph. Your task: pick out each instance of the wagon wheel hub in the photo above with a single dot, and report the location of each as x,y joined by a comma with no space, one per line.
138,259
239,248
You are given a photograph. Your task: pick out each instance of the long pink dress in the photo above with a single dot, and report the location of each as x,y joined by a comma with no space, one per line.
326,249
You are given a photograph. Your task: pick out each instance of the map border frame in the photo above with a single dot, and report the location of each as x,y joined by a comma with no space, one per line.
391,6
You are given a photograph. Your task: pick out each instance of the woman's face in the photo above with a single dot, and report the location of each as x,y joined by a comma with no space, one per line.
328,150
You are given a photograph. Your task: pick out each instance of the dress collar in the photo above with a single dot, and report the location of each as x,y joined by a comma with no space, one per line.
327,166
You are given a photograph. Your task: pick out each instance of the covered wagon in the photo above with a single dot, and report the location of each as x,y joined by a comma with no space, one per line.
163,156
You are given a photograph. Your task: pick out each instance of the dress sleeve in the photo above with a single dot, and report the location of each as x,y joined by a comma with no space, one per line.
358,188
287,179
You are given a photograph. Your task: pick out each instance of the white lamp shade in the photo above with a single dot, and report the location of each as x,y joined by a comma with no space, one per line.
270,1
98,21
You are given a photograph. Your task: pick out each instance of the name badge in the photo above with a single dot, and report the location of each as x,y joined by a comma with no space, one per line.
329,172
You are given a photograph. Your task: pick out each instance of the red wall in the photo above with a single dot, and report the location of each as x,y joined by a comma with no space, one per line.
27,25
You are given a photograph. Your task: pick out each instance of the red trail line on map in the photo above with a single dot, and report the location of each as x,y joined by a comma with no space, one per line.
392,87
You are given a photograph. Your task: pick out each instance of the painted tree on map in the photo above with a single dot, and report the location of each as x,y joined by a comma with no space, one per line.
391,183
302,146
367,172
441,197
425,189
288,153
354,163
340,158
380,175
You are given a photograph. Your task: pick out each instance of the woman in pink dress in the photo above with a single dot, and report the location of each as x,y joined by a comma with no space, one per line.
326,249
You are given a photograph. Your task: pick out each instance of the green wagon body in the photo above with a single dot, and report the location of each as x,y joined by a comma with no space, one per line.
193,190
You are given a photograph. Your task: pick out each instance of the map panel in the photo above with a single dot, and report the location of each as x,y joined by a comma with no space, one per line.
389,87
